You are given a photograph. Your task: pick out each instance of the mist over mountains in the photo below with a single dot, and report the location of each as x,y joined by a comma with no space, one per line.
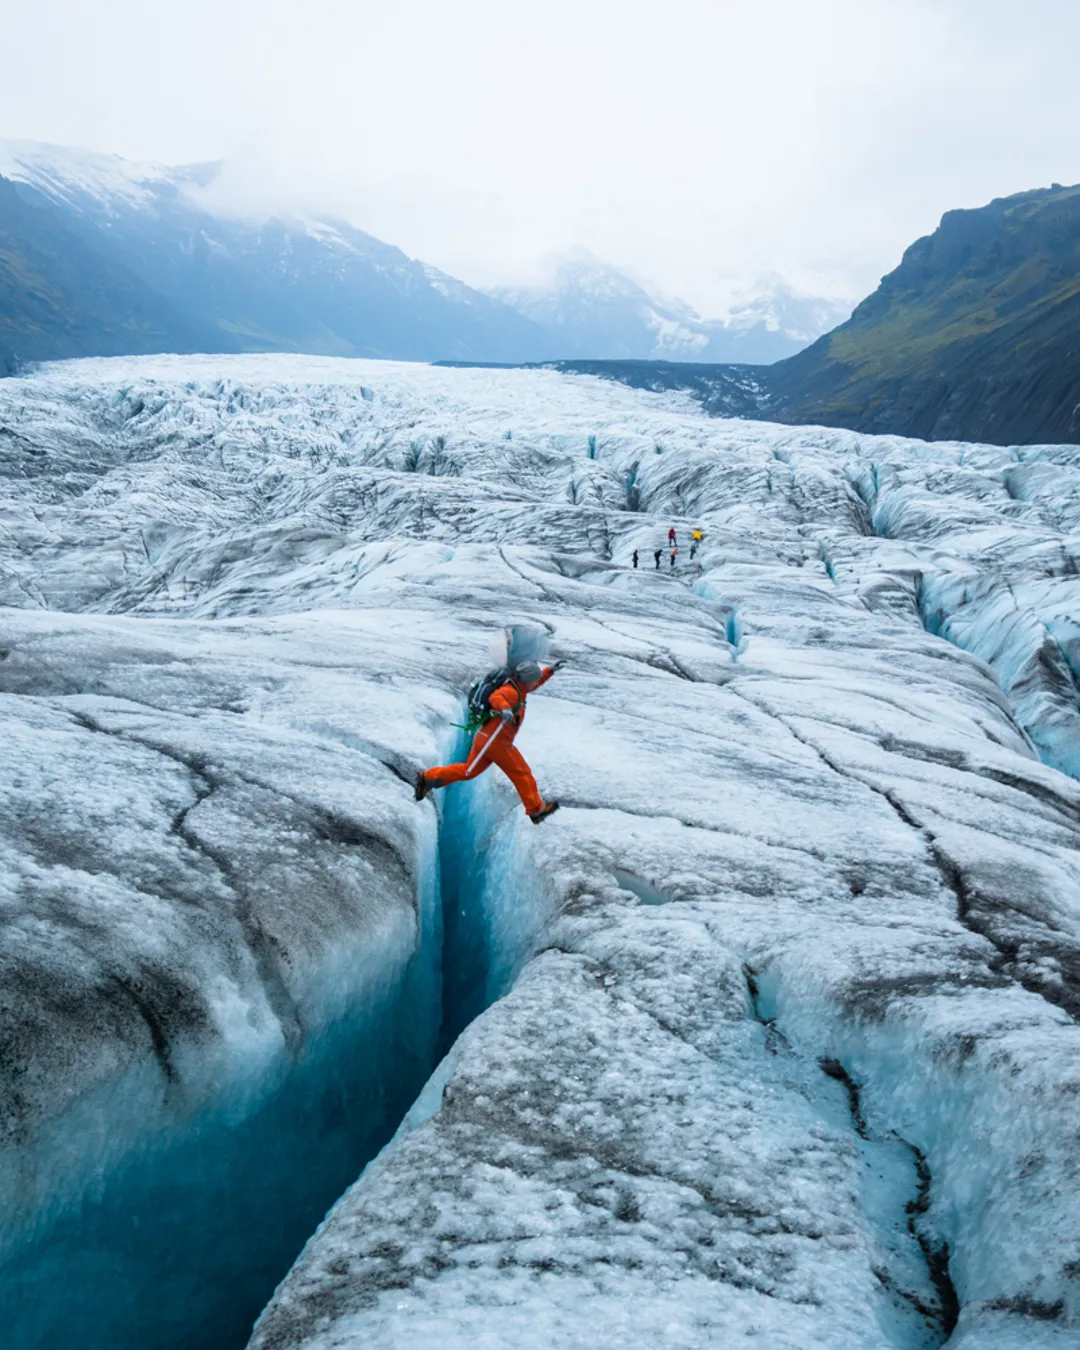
317,286
103,256
599,311
975,336
62,296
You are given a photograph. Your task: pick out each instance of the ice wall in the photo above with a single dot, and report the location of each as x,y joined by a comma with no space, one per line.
494,904
221,953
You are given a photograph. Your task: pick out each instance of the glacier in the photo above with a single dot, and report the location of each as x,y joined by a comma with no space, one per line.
769,1036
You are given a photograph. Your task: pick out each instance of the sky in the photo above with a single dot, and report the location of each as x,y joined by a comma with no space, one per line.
699,144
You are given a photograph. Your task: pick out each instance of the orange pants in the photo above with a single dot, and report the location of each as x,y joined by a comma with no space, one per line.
502,752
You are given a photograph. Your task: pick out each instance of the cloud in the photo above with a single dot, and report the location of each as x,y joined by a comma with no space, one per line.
699,144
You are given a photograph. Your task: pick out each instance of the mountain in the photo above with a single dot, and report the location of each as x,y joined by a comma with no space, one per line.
774,321
61,297
319,285
601,313
975,336
311,285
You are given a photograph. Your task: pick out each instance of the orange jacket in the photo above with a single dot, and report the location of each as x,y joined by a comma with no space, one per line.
512,696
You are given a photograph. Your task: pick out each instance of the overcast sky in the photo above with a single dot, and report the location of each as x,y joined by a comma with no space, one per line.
698,143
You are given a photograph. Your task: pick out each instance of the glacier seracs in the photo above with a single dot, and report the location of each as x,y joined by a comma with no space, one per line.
769,1036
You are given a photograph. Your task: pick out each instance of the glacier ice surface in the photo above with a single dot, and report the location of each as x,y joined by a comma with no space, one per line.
768,1037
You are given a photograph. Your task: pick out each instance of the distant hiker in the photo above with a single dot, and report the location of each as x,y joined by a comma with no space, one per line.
496,711
672,541
695,539
657,556
673,552
635,558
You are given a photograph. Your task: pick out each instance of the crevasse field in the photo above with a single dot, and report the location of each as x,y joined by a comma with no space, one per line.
768,1038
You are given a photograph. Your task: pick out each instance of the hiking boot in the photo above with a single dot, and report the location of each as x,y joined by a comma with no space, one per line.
421,788
546,810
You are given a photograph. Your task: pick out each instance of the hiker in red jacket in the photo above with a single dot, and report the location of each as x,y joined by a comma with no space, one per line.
494,741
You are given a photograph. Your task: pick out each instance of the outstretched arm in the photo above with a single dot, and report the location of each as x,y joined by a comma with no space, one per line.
548,672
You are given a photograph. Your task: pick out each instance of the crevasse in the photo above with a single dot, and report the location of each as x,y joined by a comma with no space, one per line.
182,1242
181,1238
493,901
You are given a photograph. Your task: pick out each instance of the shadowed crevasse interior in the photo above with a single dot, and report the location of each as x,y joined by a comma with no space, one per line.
183,1241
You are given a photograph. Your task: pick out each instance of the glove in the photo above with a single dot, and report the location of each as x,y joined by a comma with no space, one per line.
558,665
507,716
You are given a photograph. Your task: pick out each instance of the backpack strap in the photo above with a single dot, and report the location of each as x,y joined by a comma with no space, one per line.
479,716
519,691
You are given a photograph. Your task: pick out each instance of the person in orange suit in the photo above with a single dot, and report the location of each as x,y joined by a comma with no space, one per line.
494,744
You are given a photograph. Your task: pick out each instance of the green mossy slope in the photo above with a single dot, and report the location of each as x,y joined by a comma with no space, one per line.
975,336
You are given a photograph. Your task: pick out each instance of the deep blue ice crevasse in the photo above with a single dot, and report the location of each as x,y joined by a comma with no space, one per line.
493,904
1032,660
183,1243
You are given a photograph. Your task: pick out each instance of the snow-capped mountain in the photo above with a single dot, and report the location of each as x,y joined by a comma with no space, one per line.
768,1038
602,313
315,285
322,286
599,311
772,306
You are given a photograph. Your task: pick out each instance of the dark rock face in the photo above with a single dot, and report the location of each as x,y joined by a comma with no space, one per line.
975,336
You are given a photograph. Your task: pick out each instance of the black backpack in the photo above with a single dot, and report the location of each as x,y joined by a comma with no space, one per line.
479,706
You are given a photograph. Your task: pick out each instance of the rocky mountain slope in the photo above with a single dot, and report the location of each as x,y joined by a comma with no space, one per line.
767,1037
310,285
975,336
601,313
61,297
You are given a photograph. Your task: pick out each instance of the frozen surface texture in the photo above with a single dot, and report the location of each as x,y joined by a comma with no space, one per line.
783,1049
